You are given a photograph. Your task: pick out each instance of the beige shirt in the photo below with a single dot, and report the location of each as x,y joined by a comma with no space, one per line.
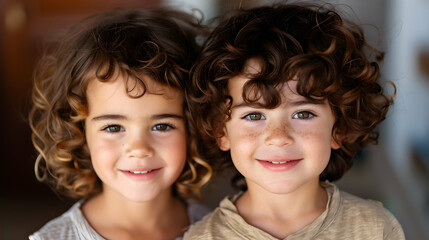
346,217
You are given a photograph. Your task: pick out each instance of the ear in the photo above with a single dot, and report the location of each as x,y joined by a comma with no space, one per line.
334,143
223,142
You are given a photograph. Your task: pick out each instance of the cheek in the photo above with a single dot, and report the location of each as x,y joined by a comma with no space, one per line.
318,142
174,154
245,131
243,141
103,150
175,147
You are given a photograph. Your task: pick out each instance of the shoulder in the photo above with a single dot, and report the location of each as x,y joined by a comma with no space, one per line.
219,224
197,211
370,210
366,217
61,227
206,228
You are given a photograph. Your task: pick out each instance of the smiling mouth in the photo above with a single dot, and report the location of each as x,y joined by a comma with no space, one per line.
279,162
282,162
141,175
279,165
140,172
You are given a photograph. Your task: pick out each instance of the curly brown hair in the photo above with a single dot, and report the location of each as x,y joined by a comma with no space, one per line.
159,43
325,52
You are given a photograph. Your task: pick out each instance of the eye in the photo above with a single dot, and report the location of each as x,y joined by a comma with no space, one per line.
114,128
254,116
303,115
162,127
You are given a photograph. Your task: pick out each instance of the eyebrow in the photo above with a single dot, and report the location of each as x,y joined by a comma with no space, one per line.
166,115
122,117
306,102
109,117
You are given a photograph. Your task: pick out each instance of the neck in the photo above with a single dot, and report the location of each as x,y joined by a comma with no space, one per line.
110,213
282,214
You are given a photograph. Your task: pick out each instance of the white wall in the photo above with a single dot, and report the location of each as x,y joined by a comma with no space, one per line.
208,7
408,123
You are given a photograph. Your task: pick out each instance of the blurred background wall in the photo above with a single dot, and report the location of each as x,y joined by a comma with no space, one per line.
396,172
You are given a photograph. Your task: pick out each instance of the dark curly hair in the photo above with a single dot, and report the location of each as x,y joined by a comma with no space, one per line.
326,53
159,43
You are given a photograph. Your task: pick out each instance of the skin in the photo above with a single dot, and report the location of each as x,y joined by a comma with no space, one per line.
281,153
138,150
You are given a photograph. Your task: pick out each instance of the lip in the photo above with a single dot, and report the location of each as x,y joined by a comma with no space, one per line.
279,165
140,174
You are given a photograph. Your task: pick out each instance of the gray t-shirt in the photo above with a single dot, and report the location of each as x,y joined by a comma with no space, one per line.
72,224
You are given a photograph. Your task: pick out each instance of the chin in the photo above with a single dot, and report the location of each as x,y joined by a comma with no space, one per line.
280,188
140,197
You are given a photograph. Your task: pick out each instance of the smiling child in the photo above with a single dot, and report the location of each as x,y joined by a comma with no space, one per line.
287,94
111,128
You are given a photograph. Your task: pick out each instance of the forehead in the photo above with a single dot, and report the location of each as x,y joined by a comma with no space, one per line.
112,98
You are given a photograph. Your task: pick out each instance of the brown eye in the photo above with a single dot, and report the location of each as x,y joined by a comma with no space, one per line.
254,116
161,127
114,128
303,115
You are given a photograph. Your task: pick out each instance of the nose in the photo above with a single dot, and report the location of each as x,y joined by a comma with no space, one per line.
278,133
139,146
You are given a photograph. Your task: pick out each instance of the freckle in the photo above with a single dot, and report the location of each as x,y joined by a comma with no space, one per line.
284,128
305,134
249,134
277,130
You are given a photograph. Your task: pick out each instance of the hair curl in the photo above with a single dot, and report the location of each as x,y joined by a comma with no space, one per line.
159,43
325,52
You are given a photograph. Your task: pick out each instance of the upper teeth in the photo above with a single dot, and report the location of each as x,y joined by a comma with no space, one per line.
140,172
278,162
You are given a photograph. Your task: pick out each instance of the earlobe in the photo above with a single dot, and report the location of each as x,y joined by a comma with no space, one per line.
334,143
223,142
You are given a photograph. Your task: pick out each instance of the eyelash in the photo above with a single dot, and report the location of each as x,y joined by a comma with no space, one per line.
121,129
295,116
310,115
248,116
168,127
115,128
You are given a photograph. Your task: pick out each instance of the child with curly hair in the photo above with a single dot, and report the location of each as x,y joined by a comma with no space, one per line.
287,94
111,128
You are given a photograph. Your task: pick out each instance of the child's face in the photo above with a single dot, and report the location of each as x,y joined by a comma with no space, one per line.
281,149
137,145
